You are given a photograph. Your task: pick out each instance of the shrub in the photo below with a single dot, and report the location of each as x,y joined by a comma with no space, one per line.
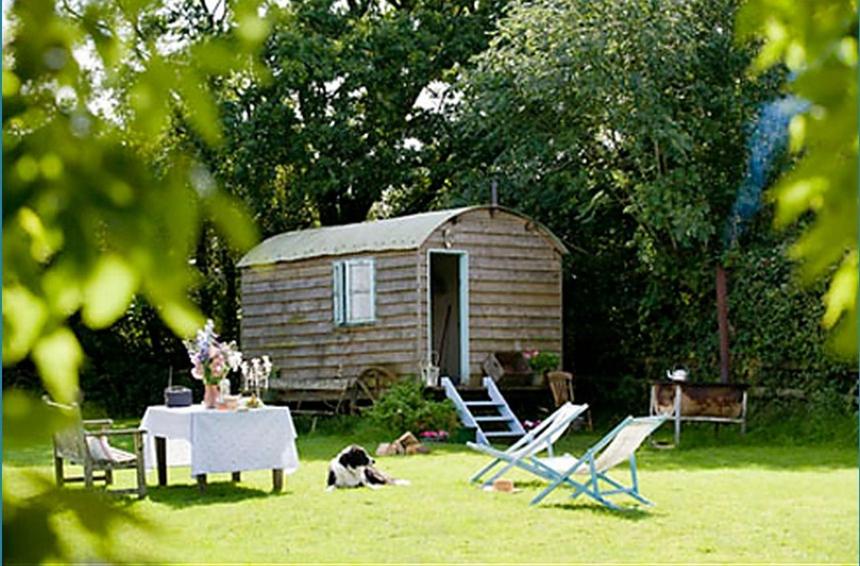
404,408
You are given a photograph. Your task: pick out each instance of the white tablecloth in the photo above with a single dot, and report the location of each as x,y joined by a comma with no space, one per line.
213,441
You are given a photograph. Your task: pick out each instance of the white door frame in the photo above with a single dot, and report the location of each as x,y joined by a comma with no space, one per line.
463,273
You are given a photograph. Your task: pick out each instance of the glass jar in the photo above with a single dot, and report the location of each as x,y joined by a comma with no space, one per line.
224,389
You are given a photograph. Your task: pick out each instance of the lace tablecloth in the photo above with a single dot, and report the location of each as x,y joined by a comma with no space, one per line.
213,441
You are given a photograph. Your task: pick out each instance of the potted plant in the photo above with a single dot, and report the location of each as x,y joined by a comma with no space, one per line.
541,363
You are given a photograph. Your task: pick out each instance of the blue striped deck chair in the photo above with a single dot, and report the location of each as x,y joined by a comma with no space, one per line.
615,448
521,453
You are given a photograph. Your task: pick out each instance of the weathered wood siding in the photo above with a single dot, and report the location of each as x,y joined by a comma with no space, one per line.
287,314
514,284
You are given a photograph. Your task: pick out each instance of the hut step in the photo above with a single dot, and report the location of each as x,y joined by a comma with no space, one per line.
497,402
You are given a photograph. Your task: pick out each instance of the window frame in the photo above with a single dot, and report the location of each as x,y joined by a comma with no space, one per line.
342,292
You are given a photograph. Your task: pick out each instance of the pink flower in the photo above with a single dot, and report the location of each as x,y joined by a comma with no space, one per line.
217,365
197,371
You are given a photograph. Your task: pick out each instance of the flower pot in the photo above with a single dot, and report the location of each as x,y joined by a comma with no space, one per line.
210,396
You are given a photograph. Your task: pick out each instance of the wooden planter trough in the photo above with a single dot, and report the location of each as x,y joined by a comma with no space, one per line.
700,402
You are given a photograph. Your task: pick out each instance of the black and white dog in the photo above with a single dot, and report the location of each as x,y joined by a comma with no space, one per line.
353,467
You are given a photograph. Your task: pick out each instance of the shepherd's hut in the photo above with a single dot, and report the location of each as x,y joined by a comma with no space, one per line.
449,287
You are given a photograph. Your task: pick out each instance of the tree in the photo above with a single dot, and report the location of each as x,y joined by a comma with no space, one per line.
817,42
622,125
347,118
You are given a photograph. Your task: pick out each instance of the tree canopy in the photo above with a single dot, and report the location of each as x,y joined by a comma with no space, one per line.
349,115
624,129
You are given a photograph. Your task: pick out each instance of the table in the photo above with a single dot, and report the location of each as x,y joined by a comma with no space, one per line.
215,441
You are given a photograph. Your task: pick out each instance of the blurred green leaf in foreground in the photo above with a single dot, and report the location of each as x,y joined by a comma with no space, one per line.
88,221
817,41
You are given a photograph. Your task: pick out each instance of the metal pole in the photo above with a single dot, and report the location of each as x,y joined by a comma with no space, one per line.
494,193
723,323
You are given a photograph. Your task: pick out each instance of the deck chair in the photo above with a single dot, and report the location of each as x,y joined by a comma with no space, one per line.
615,448
85,443
539,439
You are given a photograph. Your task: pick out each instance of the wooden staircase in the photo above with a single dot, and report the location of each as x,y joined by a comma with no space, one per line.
491,417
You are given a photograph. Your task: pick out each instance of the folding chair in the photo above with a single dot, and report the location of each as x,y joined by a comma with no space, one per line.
537,440
615,448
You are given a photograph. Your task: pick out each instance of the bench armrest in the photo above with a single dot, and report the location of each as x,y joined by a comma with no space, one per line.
97,422
116,432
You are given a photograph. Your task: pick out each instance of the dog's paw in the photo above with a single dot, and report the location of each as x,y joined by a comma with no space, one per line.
330,488
373,486
402,482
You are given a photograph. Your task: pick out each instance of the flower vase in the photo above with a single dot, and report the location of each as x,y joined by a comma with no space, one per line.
210,396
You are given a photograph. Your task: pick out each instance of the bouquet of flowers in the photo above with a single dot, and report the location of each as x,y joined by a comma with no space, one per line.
210,358
255,374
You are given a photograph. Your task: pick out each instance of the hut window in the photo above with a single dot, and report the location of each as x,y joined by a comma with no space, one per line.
354,291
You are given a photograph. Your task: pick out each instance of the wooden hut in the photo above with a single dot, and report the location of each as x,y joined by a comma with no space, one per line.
451,285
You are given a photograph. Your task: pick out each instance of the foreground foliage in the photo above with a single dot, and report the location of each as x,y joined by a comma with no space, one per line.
817,41
88,222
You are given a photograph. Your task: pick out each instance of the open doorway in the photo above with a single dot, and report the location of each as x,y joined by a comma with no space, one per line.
448,314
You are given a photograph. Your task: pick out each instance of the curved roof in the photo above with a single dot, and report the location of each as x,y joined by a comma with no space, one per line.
401,233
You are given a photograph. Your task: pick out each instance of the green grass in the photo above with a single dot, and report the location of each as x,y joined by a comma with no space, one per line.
718,500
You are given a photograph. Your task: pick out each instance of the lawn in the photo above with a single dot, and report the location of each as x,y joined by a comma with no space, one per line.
717,500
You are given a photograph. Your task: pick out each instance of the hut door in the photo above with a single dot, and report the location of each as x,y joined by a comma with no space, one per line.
448,316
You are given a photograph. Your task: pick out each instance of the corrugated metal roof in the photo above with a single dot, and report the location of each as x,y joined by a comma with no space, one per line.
401,233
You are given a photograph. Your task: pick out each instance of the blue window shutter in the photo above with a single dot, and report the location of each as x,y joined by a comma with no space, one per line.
338,292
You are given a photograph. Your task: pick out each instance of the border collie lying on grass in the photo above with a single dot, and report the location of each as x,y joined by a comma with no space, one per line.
353,467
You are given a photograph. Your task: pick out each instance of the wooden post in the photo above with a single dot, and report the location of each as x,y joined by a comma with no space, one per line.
723,323
652,403
161,459
58,469
201,481
88,472
277,480
140,468
236,477
677,415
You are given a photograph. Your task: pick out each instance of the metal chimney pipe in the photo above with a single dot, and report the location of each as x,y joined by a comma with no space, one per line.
494,193
723,323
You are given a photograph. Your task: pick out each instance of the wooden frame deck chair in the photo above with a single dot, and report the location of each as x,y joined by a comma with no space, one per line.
539,439
85,443
615,448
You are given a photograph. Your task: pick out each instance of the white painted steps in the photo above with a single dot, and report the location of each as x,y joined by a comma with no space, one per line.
503,415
